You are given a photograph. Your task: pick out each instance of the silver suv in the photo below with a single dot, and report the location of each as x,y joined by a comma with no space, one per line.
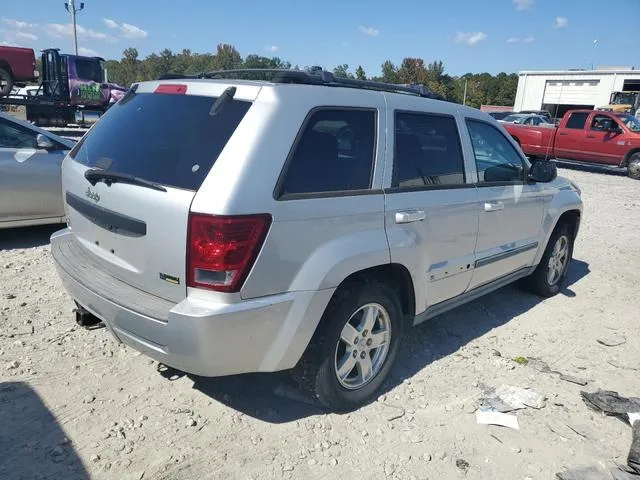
224,226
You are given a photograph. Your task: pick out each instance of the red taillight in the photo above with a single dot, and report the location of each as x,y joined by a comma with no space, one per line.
221,250
171,88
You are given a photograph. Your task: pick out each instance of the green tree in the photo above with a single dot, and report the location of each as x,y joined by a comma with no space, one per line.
482,88
389,72
342,71
227,57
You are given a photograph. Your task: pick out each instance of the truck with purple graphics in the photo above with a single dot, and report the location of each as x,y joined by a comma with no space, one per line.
73,90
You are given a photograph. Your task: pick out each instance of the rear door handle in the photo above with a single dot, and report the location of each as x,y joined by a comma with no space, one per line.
410,216
591,136
493,206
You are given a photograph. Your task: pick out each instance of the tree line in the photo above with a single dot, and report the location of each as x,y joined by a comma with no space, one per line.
481,88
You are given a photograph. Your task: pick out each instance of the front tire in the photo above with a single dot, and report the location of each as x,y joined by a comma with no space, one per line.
355,347
6,83
551,272
633,166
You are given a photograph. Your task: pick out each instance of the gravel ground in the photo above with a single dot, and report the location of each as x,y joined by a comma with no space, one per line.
75,404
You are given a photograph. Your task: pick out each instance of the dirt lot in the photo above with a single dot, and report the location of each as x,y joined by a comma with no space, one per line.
75,404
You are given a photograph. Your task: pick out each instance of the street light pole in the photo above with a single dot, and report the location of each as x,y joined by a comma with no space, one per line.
71,8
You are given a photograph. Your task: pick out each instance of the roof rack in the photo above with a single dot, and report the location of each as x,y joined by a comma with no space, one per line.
313,76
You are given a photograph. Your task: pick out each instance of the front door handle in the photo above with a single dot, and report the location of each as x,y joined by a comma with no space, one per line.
562,134
493,206
591,136
410,216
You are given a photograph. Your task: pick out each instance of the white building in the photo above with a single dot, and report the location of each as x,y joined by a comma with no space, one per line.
559,91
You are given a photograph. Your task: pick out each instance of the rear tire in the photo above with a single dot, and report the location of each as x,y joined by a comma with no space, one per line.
354,347
633,166
6,82
548,277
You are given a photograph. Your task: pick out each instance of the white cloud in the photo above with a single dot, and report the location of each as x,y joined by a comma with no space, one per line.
61,30
523,4
470,38
19,25
272,48
372,32
87,52
131,31
528,39
110,23
26,36
7,43
561,22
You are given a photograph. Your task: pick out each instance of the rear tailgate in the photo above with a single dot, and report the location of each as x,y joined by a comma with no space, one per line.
168,140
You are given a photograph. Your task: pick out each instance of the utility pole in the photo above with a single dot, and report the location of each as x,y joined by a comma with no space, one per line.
464,98
71,8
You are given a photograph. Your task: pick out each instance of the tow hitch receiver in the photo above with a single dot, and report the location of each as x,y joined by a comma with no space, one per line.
86,319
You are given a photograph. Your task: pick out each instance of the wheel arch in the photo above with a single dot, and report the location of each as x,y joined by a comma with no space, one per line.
628,156
5,65
571,218
565,213
394,275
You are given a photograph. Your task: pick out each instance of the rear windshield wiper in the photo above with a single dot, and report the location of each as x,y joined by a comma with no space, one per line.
96,175
222,100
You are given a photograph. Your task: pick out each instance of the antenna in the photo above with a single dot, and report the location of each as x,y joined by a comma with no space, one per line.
71,8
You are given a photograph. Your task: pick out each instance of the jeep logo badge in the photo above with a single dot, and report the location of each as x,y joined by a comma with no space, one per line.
92,195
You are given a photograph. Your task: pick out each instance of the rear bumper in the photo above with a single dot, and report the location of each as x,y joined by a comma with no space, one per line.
199,337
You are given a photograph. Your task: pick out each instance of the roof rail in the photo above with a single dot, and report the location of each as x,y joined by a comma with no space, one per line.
313,76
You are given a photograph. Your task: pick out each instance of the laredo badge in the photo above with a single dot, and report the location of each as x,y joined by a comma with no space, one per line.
169,278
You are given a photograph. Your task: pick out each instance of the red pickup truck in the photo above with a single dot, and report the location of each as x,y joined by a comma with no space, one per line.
17,65
589,136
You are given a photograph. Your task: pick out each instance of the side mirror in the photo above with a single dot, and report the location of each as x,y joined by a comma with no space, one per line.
44,143
543,172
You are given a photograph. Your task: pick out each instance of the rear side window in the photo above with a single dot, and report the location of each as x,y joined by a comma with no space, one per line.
334,153
173,140
427,151
577,120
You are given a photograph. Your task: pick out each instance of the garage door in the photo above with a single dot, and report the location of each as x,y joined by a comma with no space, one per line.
572,92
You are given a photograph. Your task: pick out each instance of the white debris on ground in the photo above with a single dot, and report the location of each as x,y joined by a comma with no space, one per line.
75,404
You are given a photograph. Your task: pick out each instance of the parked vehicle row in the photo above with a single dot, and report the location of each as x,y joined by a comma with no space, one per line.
73,89
527,119
589,136
300,223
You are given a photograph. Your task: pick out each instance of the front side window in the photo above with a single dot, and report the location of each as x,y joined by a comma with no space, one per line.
602,123
496,158
334,153
15,136
427,151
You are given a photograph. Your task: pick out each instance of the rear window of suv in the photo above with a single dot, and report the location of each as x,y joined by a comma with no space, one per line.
168,139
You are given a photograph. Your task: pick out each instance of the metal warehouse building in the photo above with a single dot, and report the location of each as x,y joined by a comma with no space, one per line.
559,91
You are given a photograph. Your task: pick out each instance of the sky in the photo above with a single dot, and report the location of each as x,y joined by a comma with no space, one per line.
467,35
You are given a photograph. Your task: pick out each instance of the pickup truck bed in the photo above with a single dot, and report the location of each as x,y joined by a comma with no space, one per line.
17,65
